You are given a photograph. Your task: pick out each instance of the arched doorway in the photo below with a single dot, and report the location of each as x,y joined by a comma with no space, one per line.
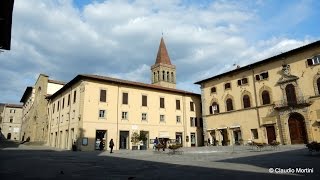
297,129
9,136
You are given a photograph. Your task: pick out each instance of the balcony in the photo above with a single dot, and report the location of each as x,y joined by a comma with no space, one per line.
301,101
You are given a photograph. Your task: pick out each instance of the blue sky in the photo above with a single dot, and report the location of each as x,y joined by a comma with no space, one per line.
63,38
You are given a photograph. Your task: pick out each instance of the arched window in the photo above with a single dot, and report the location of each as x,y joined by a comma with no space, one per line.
172,77
168,76
246,101
291,95
265,97
163,75
214,108
229,104
158,76
318,86
154,77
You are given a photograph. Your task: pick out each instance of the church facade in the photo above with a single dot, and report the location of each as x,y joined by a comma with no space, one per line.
91,108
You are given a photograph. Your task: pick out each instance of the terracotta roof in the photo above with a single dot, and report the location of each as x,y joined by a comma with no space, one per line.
118,81
56,82
163,56
14,105
265,61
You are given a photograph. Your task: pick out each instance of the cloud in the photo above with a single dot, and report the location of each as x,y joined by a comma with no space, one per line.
121,39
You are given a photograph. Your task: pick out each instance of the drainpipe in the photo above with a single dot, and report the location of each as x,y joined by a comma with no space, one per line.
184,120
118,119
256,98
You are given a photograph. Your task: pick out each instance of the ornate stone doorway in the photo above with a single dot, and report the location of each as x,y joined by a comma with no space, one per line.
297,129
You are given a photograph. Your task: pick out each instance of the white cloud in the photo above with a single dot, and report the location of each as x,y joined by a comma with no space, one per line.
121,39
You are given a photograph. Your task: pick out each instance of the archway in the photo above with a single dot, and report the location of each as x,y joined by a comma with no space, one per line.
297,129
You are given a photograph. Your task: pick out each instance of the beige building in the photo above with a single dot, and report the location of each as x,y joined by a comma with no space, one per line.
10,121
274,99
90,108
35,112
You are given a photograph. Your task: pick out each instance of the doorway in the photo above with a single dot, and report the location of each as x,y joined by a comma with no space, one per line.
297,129
237,136
124,140
179,138
271,134
193,139
100,135
9,136
224,134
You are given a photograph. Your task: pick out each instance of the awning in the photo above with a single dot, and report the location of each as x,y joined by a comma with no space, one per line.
222,128
164,134
211,129
234,126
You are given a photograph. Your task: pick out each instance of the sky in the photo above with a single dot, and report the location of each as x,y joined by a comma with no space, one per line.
120,38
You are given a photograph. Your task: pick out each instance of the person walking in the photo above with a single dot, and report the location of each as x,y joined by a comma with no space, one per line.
101,145
155,143
111,144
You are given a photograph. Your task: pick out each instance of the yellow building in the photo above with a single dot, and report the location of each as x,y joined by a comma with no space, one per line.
274,99
10,121
91,108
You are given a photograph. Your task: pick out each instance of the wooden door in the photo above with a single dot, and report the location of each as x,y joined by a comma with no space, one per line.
297,130
271,134
291,95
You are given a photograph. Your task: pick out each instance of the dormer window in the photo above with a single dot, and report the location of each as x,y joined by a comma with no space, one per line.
314,61
262,76
243,81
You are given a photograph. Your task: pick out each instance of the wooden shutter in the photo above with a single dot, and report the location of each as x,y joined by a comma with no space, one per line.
161,102
310,62
239,82
103,95
124,98
144,100
178,104
258,77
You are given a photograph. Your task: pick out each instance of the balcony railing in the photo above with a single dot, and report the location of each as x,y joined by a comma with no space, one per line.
300,102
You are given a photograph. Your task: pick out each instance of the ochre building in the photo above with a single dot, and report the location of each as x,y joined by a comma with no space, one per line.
10,121
92,108
276,99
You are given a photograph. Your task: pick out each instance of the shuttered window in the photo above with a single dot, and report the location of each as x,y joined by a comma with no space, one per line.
124,98
103,95
246,101
161,102
144,100
178,104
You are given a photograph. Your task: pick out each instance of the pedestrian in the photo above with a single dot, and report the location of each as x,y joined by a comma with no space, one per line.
209,143
111,144
101,145
155,143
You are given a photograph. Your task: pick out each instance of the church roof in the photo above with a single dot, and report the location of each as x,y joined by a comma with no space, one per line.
163,56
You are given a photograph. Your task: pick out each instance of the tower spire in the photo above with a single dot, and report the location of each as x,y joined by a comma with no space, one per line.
163,56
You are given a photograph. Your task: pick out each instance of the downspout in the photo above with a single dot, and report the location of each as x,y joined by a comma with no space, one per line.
118,120
255,98
184,120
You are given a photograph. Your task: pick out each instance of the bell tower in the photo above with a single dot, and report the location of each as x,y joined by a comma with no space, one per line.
163,72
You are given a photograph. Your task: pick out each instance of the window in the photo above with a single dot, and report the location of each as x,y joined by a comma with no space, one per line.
242,81
246,101
162,119
254,133
102,113
74,96
229,104
11,119
318,86
53,107
213,90
124,98
178,104
214,108
201,122
265,97
144,100
68,99
103,95
191,106
144,116
125,115
314,61
12,111
291,95
178,119
62,103
227,86
262,76
193,122
161,102
58,106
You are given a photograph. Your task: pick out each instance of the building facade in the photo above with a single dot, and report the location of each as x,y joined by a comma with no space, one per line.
10,121
277,99
35,123
91,108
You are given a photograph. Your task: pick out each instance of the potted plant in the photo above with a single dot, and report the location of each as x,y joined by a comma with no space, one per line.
143,137
135,138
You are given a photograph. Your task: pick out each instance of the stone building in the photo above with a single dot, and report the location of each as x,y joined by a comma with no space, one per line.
91,108
274,99
10,121
34,117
